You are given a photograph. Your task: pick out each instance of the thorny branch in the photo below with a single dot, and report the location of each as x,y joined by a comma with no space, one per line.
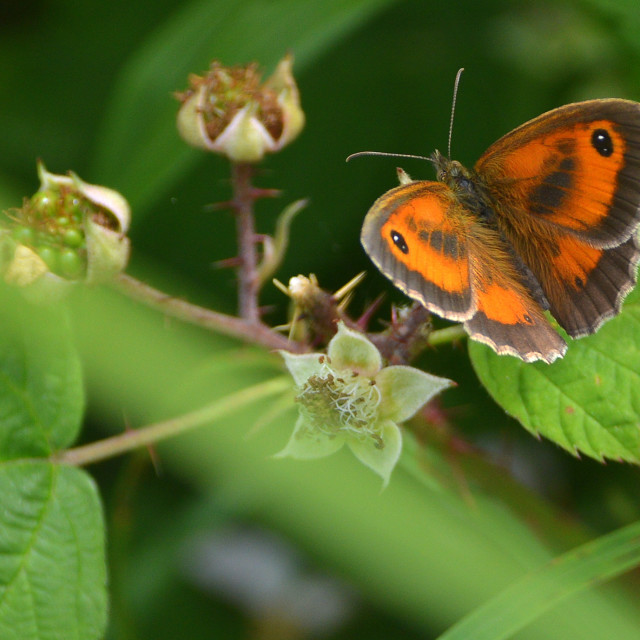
406,335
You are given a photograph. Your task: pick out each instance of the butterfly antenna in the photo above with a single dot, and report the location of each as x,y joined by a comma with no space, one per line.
453,108
388,155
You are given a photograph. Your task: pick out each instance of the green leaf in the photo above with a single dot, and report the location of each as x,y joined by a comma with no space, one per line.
588,402
52,565
41,393
530,597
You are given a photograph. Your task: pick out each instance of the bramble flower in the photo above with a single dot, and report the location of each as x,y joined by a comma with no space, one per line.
229,112
347,397
68,232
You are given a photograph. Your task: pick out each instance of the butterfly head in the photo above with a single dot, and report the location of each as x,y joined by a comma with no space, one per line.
451,172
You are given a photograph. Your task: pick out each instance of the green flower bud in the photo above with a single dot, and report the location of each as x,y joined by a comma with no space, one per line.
68,232
229,112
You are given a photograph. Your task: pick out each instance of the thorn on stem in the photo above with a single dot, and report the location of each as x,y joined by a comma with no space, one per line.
227,263
365,318
256,193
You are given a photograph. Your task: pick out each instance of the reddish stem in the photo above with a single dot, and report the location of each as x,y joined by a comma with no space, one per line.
253,332
248,283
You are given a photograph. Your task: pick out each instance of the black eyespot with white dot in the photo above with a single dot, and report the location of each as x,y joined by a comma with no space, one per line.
399,241
601,141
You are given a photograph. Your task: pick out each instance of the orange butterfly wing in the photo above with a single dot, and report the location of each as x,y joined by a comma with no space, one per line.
547,220
566,192
418,237
438,252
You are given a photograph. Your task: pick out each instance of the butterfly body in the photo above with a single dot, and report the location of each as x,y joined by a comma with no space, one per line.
546,220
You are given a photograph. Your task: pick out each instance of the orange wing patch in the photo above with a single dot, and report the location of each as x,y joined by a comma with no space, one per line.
429,245
505,304
566,180
508,319
574,168
574,261
416,234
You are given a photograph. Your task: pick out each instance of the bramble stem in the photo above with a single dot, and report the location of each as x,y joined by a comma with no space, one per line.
254,332
144,436
248,279
448,334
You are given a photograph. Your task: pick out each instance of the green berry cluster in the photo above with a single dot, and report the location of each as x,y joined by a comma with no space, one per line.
52,224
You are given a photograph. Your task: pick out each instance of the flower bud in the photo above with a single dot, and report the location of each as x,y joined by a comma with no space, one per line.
69,231
229,112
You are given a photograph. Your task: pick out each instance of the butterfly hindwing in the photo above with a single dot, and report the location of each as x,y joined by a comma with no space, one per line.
507,317
588,285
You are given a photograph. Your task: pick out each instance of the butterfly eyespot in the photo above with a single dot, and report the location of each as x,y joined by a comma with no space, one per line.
602,142
527,319
399,241
579,282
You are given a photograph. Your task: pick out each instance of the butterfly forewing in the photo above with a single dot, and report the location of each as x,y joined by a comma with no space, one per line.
416,237
567,192
575,167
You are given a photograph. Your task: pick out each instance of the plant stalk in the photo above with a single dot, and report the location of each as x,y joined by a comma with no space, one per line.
151,434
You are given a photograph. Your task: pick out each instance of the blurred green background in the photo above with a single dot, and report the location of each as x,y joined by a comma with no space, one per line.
225,542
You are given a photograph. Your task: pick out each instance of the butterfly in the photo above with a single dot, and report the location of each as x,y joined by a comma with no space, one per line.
545,221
